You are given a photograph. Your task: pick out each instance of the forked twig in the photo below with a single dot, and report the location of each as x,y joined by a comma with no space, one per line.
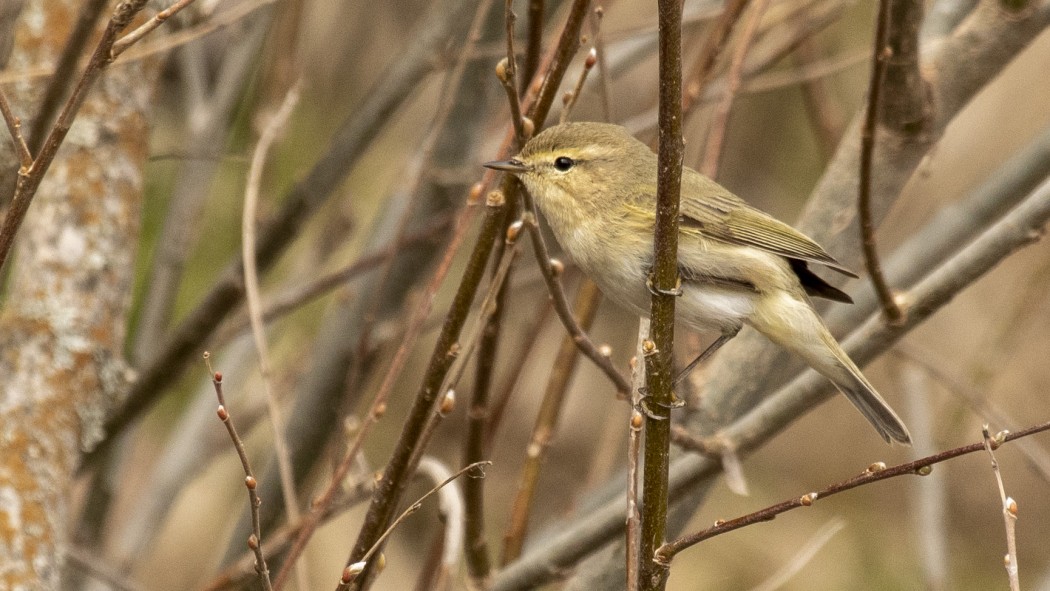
352,571
1009,507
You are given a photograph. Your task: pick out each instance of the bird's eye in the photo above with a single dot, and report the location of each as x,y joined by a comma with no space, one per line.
564,163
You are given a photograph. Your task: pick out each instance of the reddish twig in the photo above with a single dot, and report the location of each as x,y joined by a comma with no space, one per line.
570,98
255,539
874,473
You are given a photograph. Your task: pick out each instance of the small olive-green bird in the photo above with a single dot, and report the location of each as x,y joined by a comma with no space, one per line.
596,185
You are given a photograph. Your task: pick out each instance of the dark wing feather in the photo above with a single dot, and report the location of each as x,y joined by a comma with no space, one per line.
815,286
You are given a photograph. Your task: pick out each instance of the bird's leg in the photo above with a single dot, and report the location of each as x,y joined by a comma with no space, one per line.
708,352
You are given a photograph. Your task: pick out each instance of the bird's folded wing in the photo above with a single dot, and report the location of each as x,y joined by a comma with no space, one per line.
723,216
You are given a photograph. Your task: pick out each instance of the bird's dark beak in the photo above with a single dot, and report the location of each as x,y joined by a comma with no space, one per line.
513,166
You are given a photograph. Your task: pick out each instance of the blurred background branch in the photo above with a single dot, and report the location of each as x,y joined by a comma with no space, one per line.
128,266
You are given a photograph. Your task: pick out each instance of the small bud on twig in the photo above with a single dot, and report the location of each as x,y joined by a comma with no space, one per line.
527,127
513,231
501,70
448,402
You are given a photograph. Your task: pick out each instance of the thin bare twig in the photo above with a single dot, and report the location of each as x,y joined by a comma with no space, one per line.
255,539
570,98
634,462
882,54
29,178
507,72
566,47
296,296
1009,507
451,505
239,573
531,332
803,556
599,356
876,472
351,571
14,126
251,290
158,19
604,76
486,336
713,47
487,310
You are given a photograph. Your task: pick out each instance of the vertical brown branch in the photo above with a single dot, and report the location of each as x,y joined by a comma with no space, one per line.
566,48
882,54
664,281
535,39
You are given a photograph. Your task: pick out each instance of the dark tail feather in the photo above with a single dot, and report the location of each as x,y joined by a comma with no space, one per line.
873,407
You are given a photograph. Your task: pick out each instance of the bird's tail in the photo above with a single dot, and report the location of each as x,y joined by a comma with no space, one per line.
794,325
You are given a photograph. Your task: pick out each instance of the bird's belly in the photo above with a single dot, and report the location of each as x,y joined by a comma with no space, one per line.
701,307
714,307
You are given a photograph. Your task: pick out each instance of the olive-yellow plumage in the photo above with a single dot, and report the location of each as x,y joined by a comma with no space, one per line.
596,185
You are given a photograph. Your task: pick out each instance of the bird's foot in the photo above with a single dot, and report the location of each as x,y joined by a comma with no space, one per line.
676,292
646,405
